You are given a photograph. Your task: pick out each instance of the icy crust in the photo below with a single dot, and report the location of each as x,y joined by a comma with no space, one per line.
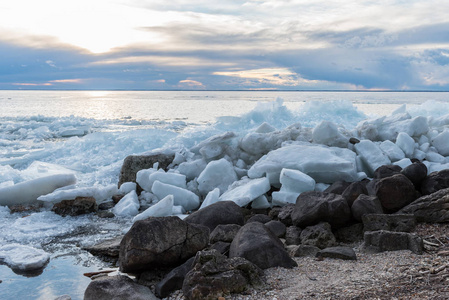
23,258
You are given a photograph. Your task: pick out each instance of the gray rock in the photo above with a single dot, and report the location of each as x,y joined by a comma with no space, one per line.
221,247
338,187
259,218
293,235
134,163
224,233
433,208
160,242
435,181
222,212
416,173
303,250
379,241
76,207
259,245
277,227
214,275
395,222
394,192
350,234
108,248
314,207
365,204
285,214
319,235
386,171
173,280
354,190
345,253
117,288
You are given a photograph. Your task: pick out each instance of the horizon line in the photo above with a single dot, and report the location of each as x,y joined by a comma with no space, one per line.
236,90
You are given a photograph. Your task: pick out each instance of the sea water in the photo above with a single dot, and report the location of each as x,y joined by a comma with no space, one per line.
89,133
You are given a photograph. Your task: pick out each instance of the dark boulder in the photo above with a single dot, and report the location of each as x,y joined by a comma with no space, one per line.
354,190
435,181
416,173
222,212
379,241
76,207
107,248
314,207
277,227
386,171
365,204
293,235
285,214
173,280
134,163
214,275
345,253
338,187
224,233
117,288
319,235
394,192
221,247
350,234
261,218
432,208
258,244
395,222
160,242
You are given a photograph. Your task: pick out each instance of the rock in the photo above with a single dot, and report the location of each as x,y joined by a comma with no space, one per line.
76,207
258,244
350,234
224,233
173,280
303,250
386,171
338,187
277,227
134,163
319,235
314,207
354,190
117,288
221,247
345,253
160,242
416,173
435,181
285,214
433,208
274,212
354,140
379,241
214,275
394,192
366,205
108,248
222,212
293,235
259,218
106,205
396,222
105,214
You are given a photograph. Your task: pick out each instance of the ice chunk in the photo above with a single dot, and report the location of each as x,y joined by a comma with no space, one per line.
296,181
400,110
265,128
324,164
403,163
327,133
143,178
392,150
171,178
260,202
371,155
181,196
211,198
244,194
178,210
284,198
127,187
418,154
424,147
163,208
320,187
435,157
440,142
100,193
192,169
387,128
214,146
128,206
406,143
23,258
28,192
39,169
218,173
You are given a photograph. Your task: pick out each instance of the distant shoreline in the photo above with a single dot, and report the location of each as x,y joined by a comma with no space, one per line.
144,90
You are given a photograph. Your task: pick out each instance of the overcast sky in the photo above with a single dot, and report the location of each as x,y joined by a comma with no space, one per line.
224,45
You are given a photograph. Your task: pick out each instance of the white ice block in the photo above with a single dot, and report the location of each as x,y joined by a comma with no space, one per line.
296,181
161,209
371,155
392,150
218,173
128,206
244,194
182,197
406,143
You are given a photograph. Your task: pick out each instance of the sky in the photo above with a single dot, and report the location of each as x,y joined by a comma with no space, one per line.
224,45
